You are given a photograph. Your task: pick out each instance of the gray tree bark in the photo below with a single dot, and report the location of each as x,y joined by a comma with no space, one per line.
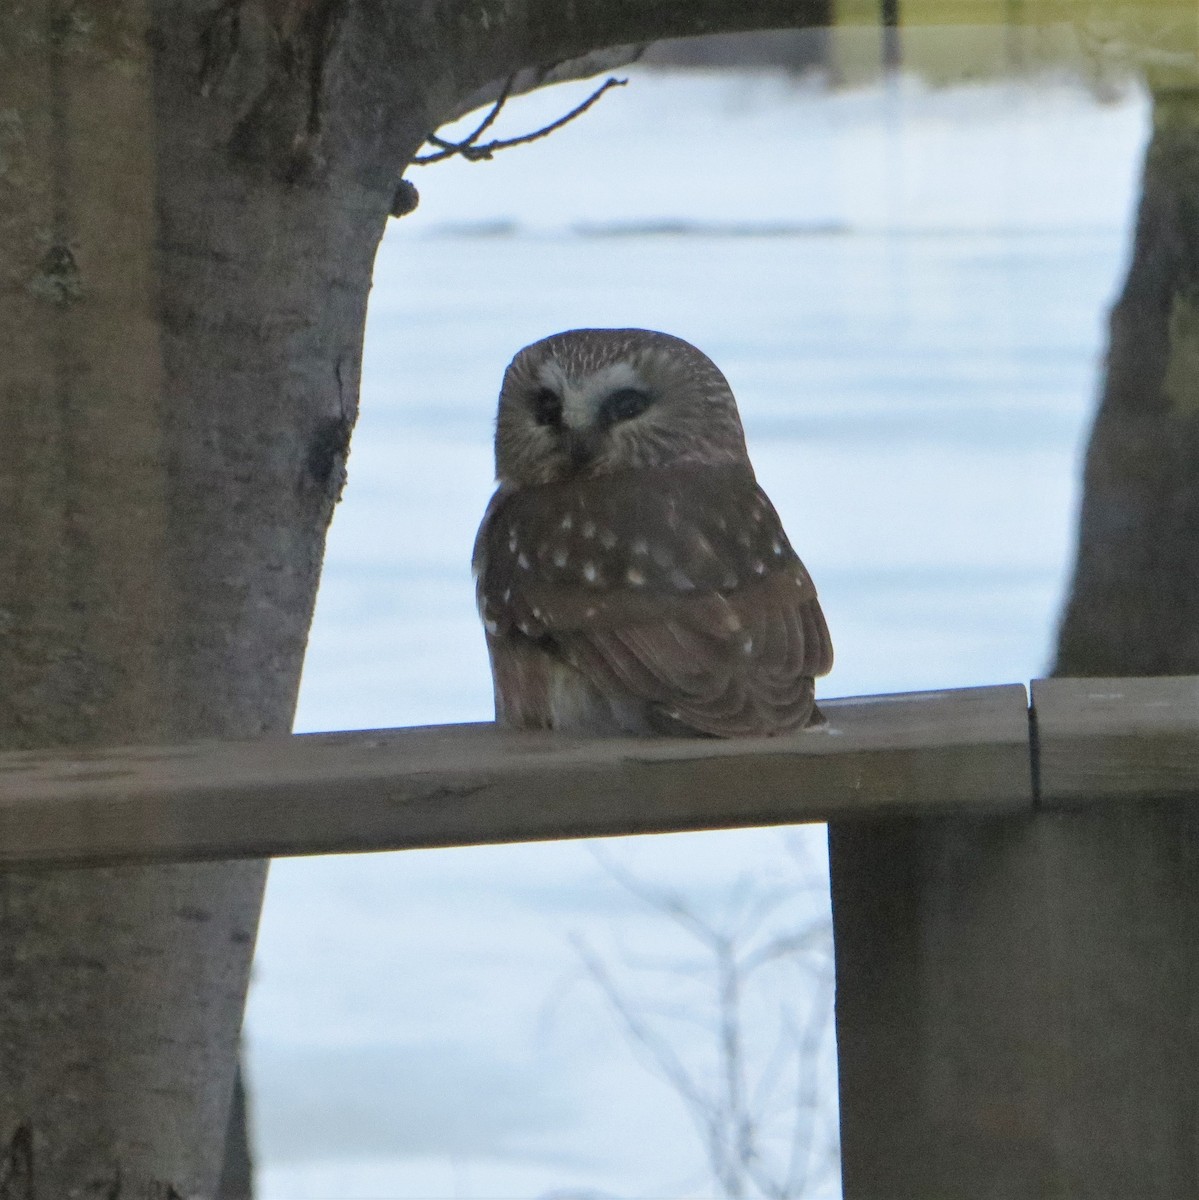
1018,1000
237,1168
191,194
1134,602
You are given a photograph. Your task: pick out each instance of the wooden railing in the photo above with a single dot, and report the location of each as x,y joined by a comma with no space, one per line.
1015,904
968,751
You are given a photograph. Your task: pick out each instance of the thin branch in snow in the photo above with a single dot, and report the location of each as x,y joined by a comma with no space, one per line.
752,1095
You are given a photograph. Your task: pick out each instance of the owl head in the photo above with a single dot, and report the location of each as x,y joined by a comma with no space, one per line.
593,402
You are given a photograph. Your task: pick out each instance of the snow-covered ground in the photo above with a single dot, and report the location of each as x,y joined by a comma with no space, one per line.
914,333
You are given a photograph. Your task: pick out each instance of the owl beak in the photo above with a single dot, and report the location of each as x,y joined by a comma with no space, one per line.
581,446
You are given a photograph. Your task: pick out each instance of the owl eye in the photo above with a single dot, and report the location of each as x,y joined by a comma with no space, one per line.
546,407
624,405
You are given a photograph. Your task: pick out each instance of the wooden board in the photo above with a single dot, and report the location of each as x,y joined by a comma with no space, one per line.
1016,997
955,751
1117,739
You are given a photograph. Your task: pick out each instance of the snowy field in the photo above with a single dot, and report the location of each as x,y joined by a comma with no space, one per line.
907,290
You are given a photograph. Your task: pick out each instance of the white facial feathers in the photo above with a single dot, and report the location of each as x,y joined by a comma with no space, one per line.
592,402
583,395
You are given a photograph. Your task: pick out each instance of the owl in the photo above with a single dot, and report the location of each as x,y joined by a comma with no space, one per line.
631,575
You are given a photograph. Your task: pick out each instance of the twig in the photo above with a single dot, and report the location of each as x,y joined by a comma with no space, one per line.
756,1125
669,903
806,1110
481,128
668,1064
469,149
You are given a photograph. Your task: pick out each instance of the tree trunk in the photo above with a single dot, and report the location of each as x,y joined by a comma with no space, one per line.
191,193
237,1169
1134,604
181,344
1018,1000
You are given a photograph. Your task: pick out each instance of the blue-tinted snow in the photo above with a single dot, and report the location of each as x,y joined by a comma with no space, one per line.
915,364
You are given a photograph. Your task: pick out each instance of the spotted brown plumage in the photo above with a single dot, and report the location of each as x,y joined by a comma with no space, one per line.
632,575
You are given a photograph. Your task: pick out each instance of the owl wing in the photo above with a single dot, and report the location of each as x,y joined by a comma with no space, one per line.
675,586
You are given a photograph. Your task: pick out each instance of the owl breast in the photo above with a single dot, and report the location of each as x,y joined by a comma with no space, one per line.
664,599
555,695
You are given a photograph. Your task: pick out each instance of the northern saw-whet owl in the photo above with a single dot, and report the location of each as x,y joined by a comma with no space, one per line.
632,576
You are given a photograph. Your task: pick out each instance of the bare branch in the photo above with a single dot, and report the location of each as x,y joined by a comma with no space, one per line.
758,903
787,945
806,1106
670,904
755,1105
483,125
472,152
664,1058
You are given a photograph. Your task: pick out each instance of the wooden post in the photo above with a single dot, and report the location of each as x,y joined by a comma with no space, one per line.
1018,997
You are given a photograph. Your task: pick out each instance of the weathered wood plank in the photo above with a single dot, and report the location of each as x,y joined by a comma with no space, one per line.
956,751
1017,1010
1117,739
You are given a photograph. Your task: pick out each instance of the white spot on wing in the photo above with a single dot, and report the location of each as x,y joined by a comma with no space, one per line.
560,557
681,581
589,529
567,521
607,539
589,572
640,547
512,538
759,567
635,577
522,561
